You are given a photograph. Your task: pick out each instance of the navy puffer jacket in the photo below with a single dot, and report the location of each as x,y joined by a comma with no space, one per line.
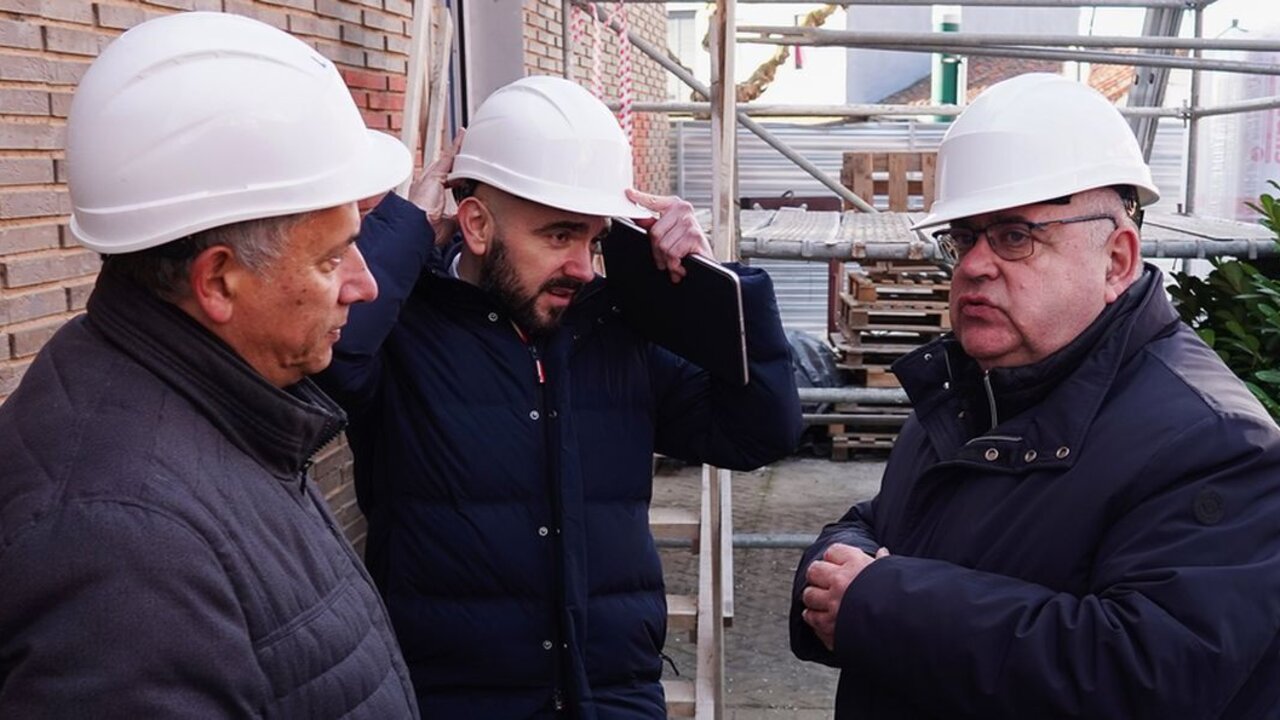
508,517
1109,549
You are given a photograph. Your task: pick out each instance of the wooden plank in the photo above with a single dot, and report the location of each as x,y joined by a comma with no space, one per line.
928,171
726,544
682,612
441,51
709,676
415,90
674,524
680,698
898,182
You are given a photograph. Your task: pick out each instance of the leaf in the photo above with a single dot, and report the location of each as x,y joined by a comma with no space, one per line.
1271,377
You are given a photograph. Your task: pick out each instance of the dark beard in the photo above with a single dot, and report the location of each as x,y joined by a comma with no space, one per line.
498,278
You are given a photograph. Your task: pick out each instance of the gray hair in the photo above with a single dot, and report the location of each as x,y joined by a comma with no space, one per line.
165,270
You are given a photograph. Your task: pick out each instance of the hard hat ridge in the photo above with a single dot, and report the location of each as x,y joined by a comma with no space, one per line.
197,120
548,140
1031,139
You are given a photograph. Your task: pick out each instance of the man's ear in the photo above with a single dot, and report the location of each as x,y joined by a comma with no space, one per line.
477,225
1124,260
216,277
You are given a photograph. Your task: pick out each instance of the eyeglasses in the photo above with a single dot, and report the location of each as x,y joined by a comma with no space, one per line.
1009,239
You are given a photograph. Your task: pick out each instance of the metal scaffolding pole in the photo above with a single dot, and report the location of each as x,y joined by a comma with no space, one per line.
931,43
1193,125
872,38
859,111
973,3
920,250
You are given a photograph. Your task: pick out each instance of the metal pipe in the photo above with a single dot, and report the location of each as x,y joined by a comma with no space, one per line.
767,110
844,249
974,3
1193,125
853,420
873,38
688,79
1107,58
870,396
1267,103
752,541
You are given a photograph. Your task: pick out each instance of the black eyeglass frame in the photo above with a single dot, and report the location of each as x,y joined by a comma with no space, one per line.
951,251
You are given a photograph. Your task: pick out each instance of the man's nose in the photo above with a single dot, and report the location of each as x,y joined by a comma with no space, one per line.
980,260
578,266
358,284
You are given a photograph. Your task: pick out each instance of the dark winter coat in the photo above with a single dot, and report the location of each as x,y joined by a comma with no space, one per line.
162,554
508,516
1109,549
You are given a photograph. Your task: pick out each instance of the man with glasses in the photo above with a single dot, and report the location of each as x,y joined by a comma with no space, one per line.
1079,518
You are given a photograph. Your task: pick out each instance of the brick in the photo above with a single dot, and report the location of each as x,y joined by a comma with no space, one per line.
270,16
174,4
32,305
66,238
383,21
397,83
78,295
399,44
27,136
376,120
75,42
24,102
5,354
34,203
314,27
399,7
357,35
24,271
25,171
60,104
19,35
27,341
27,238
397,121
308,5
344,54
22,7
364,79
11,372
386,101
77,11
382,61
60,170
338,9
359,97
119,17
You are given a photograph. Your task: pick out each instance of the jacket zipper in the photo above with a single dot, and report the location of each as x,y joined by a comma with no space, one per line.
552,470
991,399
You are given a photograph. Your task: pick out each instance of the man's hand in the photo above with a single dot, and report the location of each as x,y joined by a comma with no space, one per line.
428,192
828,579
674,233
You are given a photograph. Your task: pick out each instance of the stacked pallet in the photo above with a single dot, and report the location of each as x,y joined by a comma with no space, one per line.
886,310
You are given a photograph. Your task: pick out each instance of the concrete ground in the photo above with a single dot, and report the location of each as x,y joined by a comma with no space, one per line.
796,496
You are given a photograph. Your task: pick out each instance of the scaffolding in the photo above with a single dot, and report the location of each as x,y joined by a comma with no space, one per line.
861,235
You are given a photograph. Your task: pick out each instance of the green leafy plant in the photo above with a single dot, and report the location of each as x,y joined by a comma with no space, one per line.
1236,311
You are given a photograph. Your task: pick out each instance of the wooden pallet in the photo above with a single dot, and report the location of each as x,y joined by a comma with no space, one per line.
844,445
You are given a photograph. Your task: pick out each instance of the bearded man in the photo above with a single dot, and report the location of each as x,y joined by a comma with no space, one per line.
504,417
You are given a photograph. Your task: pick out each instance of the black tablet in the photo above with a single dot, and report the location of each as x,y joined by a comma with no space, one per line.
699,318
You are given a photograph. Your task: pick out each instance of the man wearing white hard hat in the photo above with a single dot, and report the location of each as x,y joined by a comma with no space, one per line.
163,553
1079,518
504,417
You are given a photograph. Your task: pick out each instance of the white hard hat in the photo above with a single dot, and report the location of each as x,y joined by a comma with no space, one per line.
548,140
197,120
1033,138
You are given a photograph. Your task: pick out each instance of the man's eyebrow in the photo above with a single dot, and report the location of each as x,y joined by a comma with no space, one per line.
568,225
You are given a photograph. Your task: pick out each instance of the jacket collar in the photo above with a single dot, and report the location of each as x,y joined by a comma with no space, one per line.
1044,410
279,429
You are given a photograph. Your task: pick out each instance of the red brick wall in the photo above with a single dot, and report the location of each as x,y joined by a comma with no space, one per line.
543,56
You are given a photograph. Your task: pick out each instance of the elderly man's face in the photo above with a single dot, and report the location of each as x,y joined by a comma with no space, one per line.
1008,313
287,318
